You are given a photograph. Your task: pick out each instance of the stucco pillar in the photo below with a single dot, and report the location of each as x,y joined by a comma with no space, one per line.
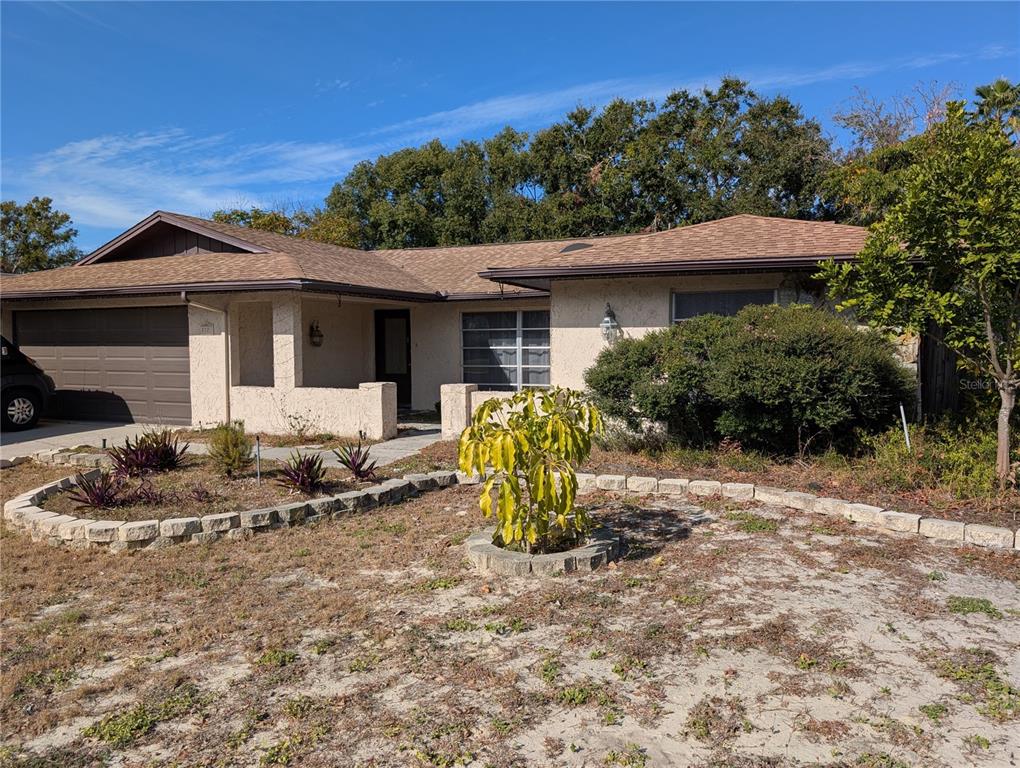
288,330
378,409
208,361
455,406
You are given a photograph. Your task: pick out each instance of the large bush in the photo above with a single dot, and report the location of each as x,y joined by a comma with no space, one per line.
783,379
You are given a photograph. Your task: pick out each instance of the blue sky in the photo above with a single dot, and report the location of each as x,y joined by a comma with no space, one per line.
116,109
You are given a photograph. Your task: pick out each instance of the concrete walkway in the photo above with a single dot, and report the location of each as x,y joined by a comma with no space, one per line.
66,434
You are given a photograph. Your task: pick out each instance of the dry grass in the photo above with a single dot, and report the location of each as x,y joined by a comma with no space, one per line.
197,489
369,641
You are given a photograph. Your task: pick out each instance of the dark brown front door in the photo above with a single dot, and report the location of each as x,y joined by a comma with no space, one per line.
393,351
125,364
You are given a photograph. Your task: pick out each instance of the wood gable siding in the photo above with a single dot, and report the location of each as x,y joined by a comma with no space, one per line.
165,239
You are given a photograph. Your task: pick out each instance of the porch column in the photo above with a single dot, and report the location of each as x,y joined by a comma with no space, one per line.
288,338
455,408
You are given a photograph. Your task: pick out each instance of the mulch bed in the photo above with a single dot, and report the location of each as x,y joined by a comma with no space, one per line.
317,441
846,482
185,492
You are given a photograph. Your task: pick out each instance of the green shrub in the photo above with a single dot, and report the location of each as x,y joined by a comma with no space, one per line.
791,377
781,379
957,457
230,449
662,377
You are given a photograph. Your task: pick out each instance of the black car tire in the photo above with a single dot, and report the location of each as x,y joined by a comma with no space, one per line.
21,408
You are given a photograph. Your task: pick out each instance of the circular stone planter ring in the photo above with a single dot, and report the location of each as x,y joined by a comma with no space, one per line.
602,547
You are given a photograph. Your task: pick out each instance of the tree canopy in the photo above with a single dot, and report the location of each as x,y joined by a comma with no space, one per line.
636,166
631,166
35,236
323,226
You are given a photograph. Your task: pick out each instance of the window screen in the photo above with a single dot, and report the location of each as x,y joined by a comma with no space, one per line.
506,350
687,305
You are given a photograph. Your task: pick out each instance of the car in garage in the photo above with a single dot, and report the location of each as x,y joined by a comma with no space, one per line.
25,389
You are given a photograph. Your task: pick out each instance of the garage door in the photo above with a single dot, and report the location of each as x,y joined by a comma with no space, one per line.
112,364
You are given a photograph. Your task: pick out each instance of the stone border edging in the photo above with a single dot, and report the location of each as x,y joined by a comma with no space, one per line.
602,547
975,534
157,533
65,456
118,536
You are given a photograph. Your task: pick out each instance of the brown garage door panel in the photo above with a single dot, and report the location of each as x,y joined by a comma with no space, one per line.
123,364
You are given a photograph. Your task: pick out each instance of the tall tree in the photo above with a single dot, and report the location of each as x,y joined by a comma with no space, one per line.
868,177
949,251
999,101
35,236
256,218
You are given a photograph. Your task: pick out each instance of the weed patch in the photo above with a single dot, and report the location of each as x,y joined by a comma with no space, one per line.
752,523
966,605
119,730
975,671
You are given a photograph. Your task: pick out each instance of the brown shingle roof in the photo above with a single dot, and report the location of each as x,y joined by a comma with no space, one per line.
326,262
454,269
743,238
212,271
430,273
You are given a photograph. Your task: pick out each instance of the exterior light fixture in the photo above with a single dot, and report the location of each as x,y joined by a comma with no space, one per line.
315,334
609,326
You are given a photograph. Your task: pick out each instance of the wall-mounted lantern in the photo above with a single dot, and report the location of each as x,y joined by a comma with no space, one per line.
609,326
315,334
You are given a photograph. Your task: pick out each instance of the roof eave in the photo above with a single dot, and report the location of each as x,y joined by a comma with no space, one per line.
533,277
494,296
314,286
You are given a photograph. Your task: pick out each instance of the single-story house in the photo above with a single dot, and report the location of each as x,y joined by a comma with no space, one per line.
183,320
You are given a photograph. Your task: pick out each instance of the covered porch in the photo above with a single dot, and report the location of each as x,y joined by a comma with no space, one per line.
289,361
293,362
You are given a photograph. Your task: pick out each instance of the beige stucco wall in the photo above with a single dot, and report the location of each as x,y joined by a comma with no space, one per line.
370,408
436,343
641,305
254,323
345,358
207,353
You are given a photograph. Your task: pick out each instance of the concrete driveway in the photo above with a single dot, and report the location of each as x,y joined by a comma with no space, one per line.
65,434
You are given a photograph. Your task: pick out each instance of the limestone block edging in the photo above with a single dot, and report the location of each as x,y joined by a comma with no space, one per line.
120,536
23,510
601,548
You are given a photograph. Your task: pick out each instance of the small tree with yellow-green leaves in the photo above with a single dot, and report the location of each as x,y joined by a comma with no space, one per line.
527,447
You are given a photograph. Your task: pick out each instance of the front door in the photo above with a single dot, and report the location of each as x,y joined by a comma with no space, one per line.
393,351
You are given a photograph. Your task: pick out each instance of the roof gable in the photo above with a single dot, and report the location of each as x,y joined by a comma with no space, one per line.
167,234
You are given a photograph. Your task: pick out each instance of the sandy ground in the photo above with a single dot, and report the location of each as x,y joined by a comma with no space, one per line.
762,638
